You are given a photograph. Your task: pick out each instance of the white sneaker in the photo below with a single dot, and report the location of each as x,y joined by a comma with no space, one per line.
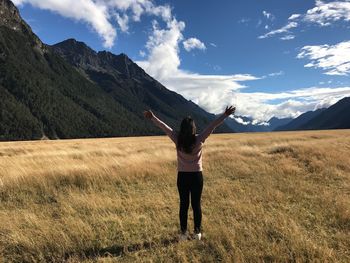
198,236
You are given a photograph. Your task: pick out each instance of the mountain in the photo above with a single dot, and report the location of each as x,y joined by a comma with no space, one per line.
276,122
129,84
249,127
299,121
70,91
336,116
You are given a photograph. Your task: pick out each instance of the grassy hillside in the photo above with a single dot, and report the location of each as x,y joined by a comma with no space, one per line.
267,197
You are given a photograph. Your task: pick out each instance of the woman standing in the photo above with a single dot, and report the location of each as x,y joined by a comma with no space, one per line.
189,165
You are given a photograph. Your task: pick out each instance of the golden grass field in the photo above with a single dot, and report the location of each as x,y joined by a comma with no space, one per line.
267,197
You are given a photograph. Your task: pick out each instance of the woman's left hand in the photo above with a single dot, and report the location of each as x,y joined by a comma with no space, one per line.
229,110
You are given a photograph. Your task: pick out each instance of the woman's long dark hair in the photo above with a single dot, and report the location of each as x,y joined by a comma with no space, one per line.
186,139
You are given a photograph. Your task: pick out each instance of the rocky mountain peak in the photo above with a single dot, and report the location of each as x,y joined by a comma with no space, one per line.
84,58
9,15
73,46
77,53
11,18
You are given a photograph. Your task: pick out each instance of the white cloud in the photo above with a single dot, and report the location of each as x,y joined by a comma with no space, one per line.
274,74
335,60
287,37
163,46
138,8
213,44
240,120
123,22
95,14
193,43
284,29
294,16
260,123
100,14
268,15
324,13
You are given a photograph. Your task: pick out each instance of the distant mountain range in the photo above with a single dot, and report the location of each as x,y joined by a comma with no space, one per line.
336,116
68,90
299,121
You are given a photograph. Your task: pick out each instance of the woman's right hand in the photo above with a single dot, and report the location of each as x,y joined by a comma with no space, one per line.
229,110
148,114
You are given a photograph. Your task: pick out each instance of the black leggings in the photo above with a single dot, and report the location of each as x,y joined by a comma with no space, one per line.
190,182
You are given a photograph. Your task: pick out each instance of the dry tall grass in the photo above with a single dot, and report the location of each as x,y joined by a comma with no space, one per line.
267,197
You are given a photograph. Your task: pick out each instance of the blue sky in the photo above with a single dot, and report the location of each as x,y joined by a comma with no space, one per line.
269,58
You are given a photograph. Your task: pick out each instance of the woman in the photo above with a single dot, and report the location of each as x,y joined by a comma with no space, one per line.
189,165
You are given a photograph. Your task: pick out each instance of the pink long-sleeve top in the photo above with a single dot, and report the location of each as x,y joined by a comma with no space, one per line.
190,162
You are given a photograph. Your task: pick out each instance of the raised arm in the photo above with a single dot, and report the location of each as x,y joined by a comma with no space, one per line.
215,123
168,130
